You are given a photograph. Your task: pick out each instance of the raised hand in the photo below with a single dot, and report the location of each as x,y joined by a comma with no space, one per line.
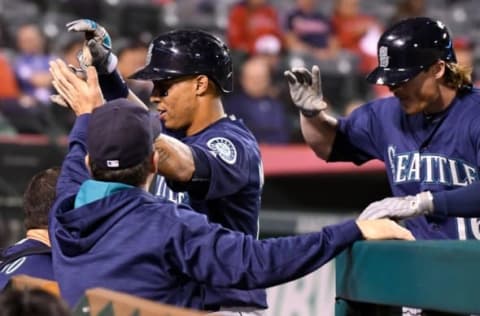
306,90
98,42
81,95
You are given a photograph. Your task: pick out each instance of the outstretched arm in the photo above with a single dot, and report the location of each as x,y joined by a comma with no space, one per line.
462,202
233,259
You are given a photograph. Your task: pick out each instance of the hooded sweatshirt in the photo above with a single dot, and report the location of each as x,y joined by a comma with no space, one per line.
127,240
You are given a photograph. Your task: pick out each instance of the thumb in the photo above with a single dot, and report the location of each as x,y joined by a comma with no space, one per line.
96,49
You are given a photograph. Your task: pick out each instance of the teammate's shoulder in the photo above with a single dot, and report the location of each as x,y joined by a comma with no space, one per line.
230,128
470,98
380,106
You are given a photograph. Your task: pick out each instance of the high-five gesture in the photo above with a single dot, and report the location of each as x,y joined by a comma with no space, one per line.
81,95
99,42
306,90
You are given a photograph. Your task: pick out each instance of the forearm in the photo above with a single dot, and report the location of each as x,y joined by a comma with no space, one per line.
319,133
74,171
463,202
134,98
242,262
175,159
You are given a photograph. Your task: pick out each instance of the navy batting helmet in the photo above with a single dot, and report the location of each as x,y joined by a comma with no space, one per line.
188,52
408,47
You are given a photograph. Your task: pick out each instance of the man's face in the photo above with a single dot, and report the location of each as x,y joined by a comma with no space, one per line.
419,94
175,102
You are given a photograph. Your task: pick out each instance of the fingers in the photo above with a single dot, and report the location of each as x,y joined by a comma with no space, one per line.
92,78
383,229
403,233
290,77
62,76
397,231
58,99
316,80
81,25
298,75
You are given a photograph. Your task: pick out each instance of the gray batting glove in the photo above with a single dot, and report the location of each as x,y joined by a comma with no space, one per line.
306,90
400,207
98,42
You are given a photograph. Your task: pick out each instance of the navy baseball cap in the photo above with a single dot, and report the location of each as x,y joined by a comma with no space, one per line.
121,134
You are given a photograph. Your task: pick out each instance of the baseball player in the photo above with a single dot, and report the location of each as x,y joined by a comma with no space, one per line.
108,231
216,167
32,255
427,134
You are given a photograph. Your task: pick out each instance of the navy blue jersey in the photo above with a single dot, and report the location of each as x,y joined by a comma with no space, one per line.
35,265
436,153
233,192
134,242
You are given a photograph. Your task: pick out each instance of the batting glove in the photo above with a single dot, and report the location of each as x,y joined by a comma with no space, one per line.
99,43
400,207
306,90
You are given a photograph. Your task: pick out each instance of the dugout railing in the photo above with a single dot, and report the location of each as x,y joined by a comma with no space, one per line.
378,278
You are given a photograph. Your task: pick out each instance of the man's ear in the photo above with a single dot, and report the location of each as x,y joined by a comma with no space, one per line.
202,82
87,164
439,69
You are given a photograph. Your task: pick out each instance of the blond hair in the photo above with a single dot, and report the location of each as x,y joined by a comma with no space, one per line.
457,76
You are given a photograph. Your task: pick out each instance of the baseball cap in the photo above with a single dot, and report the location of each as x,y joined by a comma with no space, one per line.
121,134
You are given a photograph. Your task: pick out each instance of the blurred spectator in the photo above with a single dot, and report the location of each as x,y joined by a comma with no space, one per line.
408,9
131,57
465,52
31,66
265,116
251,21
31,302
8,88
309,32
356,32
29,114
9,94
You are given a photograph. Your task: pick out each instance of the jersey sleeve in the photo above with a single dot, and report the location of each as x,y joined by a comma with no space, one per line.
219,257
226,163
74,171
359,136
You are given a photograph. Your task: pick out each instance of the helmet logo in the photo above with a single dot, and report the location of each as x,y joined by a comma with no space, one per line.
383,56
149,54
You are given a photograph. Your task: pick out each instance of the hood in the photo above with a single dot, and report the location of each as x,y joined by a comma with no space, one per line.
99,206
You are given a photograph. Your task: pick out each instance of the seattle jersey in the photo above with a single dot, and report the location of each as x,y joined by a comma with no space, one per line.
421,152
233,192
36,265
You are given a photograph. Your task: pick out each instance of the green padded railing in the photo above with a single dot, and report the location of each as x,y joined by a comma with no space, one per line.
440,276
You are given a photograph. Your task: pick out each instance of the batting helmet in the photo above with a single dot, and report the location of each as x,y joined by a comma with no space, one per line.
188,52
409,47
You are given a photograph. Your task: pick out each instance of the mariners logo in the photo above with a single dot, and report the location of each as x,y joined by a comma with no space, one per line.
224,149
383,56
